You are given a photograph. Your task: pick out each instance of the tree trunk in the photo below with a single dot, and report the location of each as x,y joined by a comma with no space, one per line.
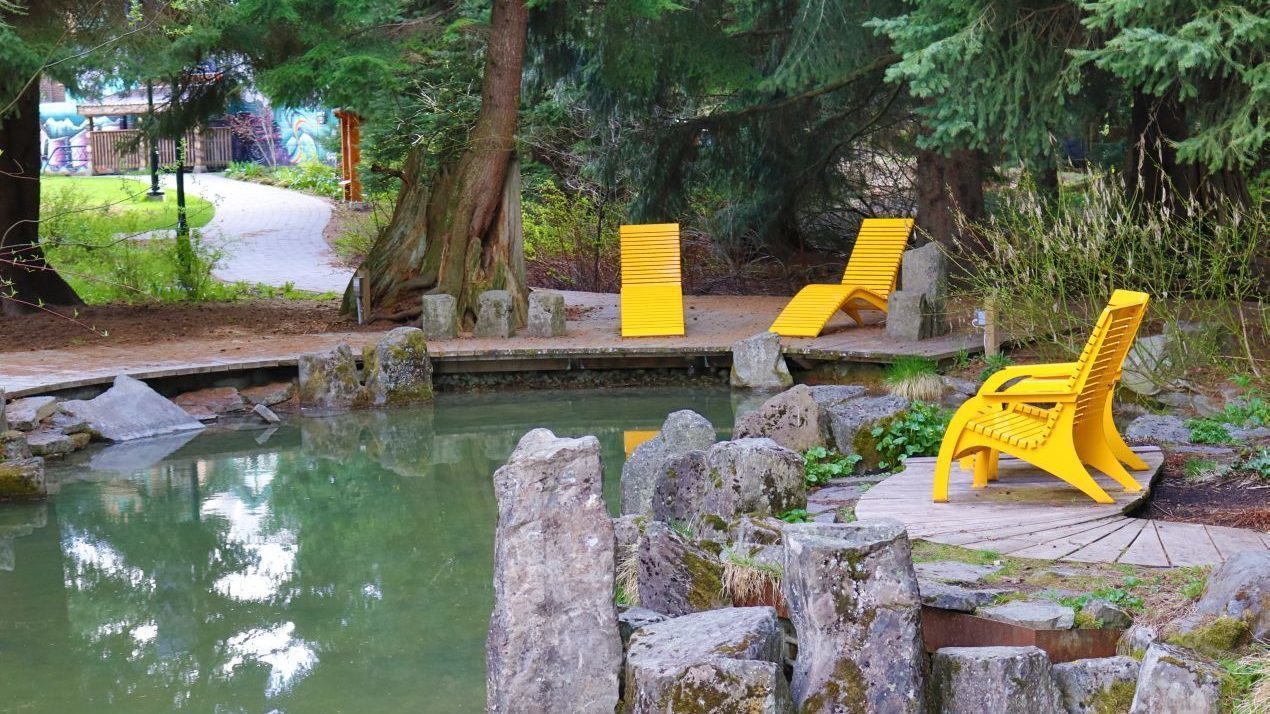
948,188
26,281
1152,171
459,233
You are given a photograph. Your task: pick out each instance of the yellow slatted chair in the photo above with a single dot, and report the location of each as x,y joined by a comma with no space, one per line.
869,279
1057,417
652,282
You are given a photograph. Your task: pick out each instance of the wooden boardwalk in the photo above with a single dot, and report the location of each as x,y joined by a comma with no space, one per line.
593,341
1030,514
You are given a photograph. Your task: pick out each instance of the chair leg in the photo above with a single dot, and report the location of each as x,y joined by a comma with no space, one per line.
854,314
983,460
1120,449
943,464
967,463
1072,471
993,458
1094,450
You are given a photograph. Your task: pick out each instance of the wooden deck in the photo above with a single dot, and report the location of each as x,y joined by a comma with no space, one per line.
593,341
1030,514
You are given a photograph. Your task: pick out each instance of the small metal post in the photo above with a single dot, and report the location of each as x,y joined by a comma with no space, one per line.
155,192
182,227
991,333
361,293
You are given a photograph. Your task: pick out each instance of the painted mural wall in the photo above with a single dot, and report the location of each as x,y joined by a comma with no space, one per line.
275,136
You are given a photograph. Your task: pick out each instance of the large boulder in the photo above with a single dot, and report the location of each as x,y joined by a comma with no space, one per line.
854,602
1088,686
22,478
26,414
1240,589
553,642
791,419
680,487
397,368
683,431
1036,614
757,363
328,380
925,270
993,680
130,410
1173,680
677,576
724,661
752,477
850,425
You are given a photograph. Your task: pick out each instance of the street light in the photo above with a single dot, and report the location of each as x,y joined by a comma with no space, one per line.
155,193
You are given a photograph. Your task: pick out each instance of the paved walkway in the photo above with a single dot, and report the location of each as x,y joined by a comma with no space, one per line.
713,324
1030,514
269,235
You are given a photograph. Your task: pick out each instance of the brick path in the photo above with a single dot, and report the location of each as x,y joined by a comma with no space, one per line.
269,235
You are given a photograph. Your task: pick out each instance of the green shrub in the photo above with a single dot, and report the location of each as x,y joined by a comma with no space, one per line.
916,431
820,465
993,364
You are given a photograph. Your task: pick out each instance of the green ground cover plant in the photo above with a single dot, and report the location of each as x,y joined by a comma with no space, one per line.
820,465
916,431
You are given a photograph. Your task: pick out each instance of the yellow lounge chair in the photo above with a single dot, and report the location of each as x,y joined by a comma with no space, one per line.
652,284
869,278
1073,431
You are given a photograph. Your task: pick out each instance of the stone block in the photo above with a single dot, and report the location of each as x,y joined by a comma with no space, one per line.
553,643
1085,683
925,270
22,478
791,419
329,380
546,314
439,319
910,316
757,363
993,680
269,394
495,316
675,575
854,602
722,661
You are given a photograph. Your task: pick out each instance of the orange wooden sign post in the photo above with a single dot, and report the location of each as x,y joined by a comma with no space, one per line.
350,154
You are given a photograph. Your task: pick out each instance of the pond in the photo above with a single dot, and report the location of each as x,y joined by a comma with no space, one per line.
340,564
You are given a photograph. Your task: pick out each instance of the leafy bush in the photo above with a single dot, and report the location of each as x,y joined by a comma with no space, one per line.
1208,431
821,465
569,241
916,431
993,364
311,177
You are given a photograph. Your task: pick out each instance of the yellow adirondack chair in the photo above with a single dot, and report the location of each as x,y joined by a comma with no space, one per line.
869,278
652,284
1073,431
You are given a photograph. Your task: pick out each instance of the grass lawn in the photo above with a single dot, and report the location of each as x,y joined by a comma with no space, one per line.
120,203
91,229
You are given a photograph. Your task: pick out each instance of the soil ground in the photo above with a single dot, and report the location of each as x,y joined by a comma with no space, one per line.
1238,501
150,323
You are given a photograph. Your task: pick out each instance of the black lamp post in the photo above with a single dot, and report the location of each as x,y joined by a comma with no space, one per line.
155,192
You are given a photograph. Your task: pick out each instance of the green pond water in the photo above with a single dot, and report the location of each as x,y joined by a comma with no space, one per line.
332,565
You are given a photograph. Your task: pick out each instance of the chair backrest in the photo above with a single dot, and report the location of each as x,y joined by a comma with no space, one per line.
1105,352
650,254
875,259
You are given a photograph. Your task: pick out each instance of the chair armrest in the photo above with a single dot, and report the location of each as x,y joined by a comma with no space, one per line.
1062,370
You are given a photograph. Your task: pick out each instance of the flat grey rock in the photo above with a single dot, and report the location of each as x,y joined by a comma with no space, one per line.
952,571
1031,613
49,442
26,414
131,410
947,596
1158,429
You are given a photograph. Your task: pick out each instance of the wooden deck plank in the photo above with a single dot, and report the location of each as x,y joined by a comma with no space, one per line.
1229,541
1019,542
1187,543
1109,548
1146,549
1059,547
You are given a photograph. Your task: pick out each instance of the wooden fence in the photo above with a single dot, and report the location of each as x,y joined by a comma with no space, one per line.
119,151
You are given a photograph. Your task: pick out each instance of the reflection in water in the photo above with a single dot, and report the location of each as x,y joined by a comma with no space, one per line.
341,565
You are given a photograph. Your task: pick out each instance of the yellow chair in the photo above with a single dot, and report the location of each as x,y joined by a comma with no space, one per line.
632,438
652,284
1057,417
869,278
